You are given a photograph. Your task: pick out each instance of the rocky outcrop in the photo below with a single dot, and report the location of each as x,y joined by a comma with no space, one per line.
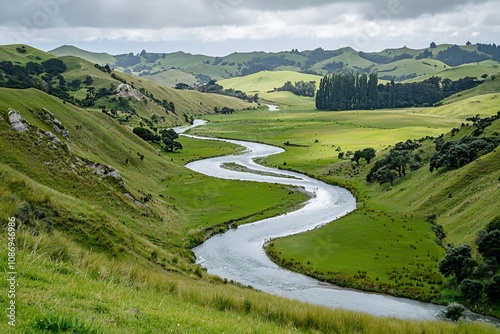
52,137
48,118
107,171
16,121
125,90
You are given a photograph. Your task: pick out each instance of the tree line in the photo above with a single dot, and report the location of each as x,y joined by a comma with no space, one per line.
300,88
354,91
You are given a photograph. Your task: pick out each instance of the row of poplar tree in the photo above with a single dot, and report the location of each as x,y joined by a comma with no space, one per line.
354,91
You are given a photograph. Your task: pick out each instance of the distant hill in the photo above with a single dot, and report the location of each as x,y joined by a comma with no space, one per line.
391,64
97,58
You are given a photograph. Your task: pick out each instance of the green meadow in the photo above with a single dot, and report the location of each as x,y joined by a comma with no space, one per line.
386,245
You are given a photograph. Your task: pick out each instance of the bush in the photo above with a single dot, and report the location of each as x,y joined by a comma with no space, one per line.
454,311
471,289
492,289
58,324
146,134
494,224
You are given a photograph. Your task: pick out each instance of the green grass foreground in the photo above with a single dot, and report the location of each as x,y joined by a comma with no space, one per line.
64,288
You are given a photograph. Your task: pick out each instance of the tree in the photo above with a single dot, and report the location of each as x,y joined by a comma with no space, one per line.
181,86
489,246
54,66
457,262
168,137
492,289
357,155
146,134
471,289
398,160
385,174
494,224
368,154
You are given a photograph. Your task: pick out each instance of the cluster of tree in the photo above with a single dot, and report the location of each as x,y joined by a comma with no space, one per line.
476,278
223,110
213,87
21,49
395,164
93,95
354,91
127,60
300,88
455,56
182,86
317,55
381,59
152,57
44,76
167,137
334,67
425,54
347,91
105,68
491,49
423,93
367,153
258,64
458,153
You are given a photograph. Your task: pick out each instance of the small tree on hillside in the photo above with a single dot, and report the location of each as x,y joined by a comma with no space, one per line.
489,246
168,137
457,261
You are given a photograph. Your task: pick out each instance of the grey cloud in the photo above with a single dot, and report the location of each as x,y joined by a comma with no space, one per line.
373,9
155,14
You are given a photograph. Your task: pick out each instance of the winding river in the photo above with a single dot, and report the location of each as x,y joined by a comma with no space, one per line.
238,254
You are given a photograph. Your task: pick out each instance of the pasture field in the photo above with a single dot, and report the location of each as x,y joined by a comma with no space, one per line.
386,245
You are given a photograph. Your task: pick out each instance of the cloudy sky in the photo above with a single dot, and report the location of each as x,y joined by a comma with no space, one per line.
219,27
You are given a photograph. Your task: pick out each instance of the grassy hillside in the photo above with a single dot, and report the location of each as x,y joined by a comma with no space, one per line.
398,64
141,100
468,70
490,86
93,57
173,77
265,81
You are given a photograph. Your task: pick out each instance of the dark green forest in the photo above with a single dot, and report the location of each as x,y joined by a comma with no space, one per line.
354,91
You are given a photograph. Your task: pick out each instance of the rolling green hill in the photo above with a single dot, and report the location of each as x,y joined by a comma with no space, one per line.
398,64
139,100
105,221
93,57
487,67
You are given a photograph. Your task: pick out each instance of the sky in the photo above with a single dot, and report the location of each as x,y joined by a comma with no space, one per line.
221,27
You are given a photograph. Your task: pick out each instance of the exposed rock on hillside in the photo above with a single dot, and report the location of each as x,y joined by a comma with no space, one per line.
16,121
52,137
48,118
107,171
125,90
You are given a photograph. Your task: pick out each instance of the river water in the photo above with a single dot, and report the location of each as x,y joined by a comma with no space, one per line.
238,254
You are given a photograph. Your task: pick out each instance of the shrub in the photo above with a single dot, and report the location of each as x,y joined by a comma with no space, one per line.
471,289
58,324
454,311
